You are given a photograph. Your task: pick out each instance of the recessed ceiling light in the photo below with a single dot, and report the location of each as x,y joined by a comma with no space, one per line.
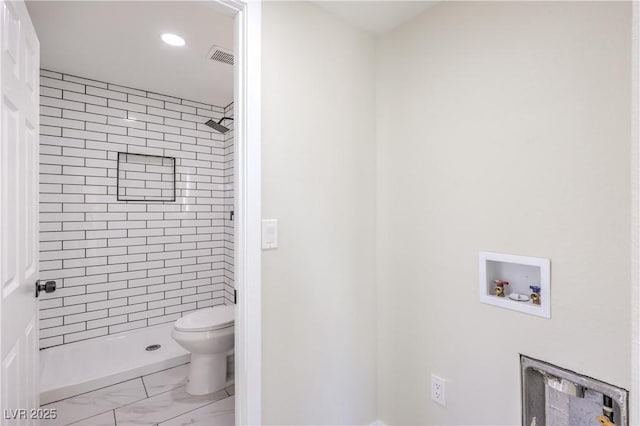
173,39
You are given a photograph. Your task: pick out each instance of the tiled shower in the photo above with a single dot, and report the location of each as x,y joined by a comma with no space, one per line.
168,249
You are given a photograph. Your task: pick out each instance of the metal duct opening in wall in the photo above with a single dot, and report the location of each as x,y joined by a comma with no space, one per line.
555,396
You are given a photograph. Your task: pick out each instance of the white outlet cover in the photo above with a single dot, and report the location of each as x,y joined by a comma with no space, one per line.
438,390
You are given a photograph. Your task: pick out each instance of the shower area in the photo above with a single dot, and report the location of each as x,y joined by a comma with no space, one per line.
136,212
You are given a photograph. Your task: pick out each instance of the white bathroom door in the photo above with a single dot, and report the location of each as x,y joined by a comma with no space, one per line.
19,109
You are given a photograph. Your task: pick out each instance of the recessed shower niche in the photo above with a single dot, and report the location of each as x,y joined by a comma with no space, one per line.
555,396
519,283
146,177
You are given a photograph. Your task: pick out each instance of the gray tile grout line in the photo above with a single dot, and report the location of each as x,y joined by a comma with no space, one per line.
84,393
101,412
171,390
144,386
133,402
202,406
160,393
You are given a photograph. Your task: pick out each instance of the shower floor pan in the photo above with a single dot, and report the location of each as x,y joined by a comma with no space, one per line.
79,367
553,396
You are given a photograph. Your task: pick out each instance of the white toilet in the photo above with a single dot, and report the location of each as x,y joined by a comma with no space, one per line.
208,335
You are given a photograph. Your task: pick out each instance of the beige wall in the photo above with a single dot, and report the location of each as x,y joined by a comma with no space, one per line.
501,127
319,181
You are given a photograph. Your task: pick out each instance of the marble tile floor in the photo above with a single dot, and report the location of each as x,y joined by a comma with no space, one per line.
155,399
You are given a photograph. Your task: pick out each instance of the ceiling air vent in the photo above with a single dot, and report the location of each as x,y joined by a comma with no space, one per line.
221,54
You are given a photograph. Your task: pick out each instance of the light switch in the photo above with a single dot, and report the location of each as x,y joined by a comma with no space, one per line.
269,233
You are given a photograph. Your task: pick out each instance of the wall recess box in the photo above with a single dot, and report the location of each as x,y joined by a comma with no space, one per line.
521,272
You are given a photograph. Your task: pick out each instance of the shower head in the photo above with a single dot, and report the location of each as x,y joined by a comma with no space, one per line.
217,126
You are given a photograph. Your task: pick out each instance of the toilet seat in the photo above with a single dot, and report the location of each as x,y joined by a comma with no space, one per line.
214,318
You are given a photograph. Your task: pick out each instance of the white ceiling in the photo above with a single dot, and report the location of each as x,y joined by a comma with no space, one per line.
119,42
375,17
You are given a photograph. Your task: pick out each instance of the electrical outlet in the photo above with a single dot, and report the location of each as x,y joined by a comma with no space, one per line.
438,390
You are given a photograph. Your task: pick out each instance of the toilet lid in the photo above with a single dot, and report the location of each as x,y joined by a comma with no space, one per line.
207,319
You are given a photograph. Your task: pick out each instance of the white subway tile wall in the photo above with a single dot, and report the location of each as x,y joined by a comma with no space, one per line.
122,265
229,207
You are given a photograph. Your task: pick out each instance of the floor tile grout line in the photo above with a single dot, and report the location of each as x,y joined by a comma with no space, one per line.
227,394
101,412
144,386
160,371
92,390
115,420
105,411
93,415
108,386
140,400
188,411
195,409
143,399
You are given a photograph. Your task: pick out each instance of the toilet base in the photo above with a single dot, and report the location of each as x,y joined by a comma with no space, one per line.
207,373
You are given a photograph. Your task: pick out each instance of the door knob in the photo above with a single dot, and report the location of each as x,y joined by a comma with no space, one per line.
46,286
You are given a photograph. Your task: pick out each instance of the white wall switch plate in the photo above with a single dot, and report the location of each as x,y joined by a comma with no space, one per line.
269,233
438,390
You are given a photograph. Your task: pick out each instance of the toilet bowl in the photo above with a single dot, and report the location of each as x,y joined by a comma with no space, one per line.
208,335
